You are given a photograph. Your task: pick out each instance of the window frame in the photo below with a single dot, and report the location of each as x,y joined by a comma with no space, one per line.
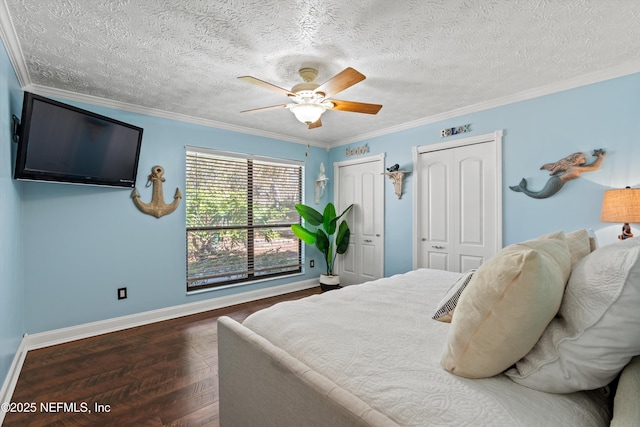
208,282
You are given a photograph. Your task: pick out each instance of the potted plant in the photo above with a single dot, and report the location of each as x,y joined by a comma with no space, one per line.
323,237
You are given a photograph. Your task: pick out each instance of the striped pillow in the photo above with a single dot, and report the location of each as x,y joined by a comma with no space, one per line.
448,304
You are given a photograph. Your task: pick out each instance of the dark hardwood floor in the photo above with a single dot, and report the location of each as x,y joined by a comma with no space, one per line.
162,374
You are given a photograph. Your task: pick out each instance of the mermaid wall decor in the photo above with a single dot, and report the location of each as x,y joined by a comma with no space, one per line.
562,171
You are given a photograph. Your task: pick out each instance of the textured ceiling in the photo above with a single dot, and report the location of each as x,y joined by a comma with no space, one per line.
422,58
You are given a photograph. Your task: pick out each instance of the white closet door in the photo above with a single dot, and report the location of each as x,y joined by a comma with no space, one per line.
436,222
458,208
475,205
362,184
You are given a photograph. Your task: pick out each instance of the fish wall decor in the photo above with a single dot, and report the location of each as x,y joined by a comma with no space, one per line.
562,171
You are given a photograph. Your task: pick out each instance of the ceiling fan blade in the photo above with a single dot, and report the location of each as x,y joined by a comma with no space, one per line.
356,107
315,124
341,81
266,85
258,110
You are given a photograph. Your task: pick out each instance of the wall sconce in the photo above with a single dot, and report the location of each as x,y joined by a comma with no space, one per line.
621,205
321,183
397,177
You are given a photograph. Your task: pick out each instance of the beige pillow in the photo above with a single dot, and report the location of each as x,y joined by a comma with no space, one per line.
626,411
506,306
579,245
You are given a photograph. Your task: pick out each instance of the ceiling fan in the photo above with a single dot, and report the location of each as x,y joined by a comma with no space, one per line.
310,100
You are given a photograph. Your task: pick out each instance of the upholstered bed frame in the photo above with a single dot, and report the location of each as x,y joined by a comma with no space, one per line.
380,354
262,385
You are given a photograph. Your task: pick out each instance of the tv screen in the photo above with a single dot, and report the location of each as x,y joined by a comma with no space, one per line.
59,142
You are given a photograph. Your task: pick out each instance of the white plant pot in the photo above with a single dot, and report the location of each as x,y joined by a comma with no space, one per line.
333,280
329,282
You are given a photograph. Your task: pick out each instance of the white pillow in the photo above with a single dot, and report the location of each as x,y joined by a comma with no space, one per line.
447,305
597,330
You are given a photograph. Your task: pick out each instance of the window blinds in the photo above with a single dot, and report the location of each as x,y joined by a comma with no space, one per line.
239,215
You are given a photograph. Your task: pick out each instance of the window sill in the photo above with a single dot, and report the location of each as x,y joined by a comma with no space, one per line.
241,284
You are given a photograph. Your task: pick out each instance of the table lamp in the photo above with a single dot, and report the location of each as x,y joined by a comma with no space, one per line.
621,205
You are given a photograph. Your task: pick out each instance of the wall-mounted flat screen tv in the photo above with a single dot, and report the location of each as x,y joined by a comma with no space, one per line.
62,143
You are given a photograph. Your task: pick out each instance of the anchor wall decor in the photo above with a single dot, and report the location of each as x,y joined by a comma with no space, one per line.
157,207
562,171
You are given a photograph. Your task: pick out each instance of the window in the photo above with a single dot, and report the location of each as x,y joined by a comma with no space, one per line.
239,215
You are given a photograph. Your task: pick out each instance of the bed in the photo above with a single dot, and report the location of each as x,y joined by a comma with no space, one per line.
372,355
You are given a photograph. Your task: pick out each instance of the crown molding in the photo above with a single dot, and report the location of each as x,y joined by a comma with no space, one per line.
10,40
155,112
16,57
573,83
584,80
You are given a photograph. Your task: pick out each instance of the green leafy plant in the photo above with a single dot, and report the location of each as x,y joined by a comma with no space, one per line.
323,235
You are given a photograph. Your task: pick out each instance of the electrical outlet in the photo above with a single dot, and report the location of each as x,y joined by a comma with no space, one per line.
122,293
312,263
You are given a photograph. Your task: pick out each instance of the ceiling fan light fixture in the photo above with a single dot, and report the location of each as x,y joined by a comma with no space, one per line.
308,113
310,100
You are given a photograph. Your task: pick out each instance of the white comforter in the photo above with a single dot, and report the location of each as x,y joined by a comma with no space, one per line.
378,341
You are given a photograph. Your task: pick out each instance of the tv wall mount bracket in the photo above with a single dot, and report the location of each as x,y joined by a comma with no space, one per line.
17,128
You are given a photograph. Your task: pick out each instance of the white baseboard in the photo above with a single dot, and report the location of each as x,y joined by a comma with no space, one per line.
9,384
59,336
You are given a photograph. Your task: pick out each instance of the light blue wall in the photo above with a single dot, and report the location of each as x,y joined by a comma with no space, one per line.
537,131
81,243
12,301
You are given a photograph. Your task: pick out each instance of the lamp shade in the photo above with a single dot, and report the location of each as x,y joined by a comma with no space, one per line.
622,205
